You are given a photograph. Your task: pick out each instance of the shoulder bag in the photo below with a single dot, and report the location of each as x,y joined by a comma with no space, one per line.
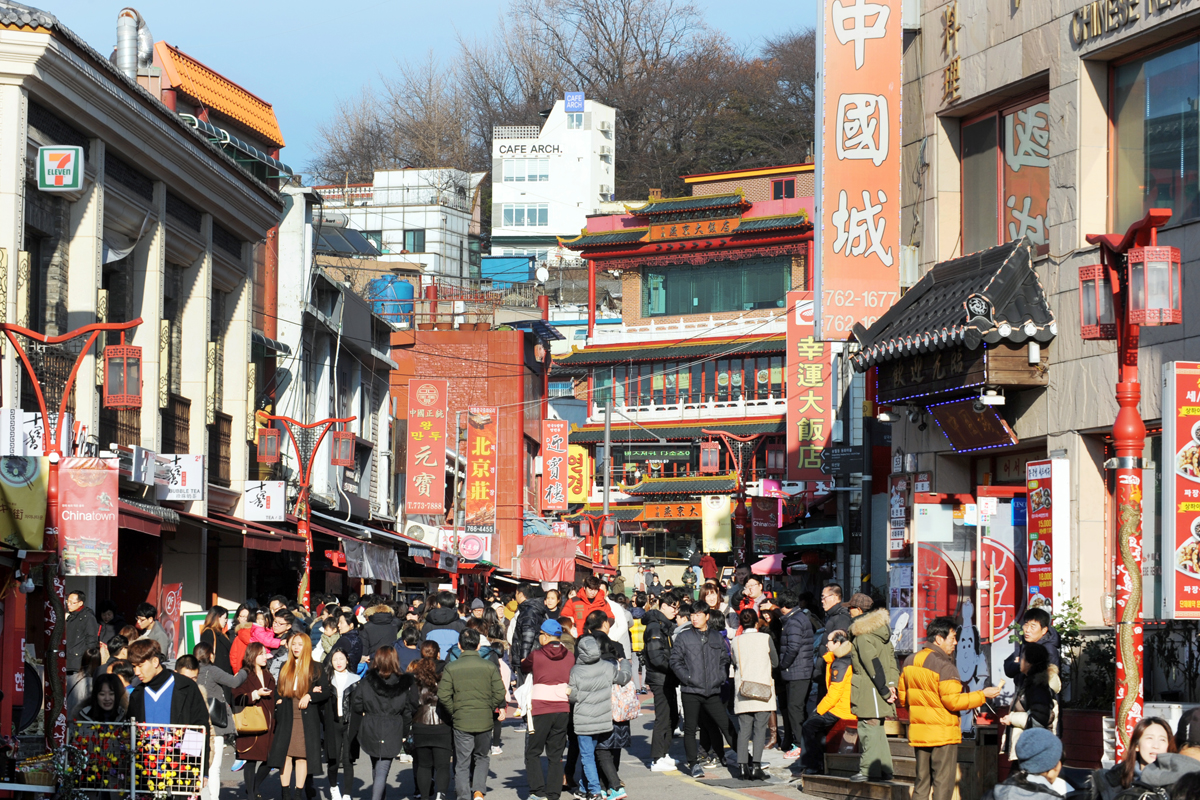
752,690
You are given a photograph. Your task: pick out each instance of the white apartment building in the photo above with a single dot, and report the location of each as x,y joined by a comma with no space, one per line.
430,217
545,181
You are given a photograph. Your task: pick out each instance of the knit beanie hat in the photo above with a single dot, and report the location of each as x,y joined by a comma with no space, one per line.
1038,751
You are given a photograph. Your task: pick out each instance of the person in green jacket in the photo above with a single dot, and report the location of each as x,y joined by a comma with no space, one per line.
471,690
873,682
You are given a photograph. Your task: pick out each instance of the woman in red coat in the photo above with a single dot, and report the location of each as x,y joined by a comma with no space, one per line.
258,690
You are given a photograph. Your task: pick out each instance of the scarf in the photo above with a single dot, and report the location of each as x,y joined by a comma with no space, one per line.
328,641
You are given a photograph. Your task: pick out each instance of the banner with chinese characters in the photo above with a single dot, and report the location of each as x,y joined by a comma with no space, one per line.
23,481
857,228
266,501
425,478
185,478
554,465
579,474
1048,527
1027,174
808,379
716,523
1181,490
88,489
764,524
480,503
898,515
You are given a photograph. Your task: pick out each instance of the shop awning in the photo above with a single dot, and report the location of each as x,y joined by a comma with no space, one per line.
255,536
597,569
548,558
801,538
262,340
371,562
136,517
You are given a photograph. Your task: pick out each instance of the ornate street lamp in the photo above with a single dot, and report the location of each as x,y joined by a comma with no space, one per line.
122,375
268,445
1143,283
343,449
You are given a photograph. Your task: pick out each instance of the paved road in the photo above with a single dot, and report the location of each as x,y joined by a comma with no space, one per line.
507,778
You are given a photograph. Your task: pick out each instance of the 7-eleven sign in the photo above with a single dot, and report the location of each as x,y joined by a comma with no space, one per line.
60,169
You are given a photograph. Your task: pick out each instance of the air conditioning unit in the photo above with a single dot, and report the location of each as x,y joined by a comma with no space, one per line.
605,190
605,125
605,150
424,533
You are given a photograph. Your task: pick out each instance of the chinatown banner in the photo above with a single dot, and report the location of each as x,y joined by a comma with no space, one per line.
480,503
1181,490
716,523
87,515
808,394
554,465
425,491
23,481
764,524
857,225
579,474
1048,523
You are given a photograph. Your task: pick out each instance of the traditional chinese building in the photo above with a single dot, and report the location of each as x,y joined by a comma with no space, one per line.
699,354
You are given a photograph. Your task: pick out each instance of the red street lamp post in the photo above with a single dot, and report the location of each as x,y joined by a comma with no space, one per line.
306,438
1137,283
43,359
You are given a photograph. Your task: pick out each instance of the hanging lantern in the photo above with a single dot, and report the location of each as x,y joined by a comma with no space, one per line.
269,440
1097,319
710,458
1154,286
343,449
122,375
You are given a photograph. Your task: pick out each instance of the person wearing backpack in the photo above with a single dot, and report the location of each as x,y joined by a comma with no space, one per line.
1035,704
1151,738
1039,761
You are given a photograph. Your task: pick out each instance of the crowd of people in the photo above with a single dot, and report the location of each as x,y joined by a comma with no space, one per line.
430,682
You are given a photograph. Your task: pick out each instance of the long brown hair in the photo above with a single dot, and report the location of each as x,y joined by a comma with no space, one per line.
250,654
215,620
1130,762
296,677
385,662
424,669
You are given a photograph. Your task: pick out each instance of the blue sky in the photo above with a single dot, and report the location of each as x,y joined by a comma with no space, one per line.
303,55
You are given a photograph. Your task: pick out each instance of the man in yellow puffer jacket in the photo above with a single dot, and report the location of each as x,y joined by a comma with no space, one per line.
834,706
930,688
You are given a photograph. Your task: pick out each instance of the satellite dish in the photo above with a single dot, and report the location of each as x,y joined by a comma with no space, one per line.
542,274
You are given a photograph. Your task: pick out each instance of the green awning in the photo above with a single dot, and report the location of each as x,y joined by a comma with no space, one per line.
801,538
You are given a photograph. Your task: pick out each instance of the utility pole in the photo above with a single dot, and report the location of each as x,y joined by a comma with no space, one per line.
454,504
608,412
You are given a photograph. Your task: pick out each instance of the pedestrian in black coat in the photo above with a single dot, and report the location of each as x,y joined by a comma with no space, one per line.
377,715
795,667
349,640
299,690
531,613
382,629
83,631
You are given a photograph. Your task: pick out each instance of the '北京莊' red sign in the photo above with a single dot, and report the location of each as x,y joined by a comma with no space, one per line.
426,478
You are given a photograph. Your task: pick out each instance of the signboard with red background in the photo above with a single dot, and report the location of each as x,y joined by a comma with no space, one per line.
1040,513
808,402
426,468
554,465
1181,490
765,513
480,503
87,515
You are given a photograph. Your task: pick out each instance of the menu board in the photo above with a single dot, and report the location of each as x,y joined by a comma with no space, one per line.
1048,522
1181,490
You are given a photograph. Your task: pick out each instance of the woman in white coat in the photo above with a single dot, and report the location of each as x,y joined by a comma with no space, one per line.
754,698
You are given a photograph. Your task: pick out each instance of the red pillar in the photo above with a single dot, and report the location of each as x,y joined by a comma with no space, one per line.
591,298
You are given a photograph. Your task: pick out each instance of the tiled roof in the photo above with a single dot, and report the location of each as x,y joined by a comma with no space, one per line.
673,350
773,223
696,484
214,91
626,236
629,433
990,296
673,205
620,513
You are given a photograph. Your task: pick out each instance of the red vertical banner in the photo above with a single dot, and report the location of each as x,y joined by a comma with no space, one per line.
426,468
858,163
170,616
554,465
808,403
480,504
764,524
87,515
1181,490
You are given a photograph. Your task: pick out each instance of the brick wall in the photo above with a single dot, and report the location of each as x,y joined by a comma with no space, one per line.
755,188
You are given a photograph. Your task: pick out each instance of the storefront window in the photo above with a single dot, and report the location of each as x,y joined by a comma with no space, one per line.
717,287
1156,103
1006,176
669,382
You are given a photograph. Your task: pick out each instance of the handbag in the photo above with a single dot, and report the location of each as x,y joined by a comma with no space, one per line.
753,690
250,721
218,712
626,706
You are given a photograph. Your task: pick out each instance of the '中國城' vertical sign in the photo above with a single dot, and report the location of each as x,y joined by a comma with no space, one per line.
859,49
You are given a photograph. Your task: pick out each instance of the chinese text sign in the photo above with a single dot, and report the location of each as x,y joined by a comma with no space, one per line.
579,474
1181,490
808,405
480,503
554,465
1048,515
426,469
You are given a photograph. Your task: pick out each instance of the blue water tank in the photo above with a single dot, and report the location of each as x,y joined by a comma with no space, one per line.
387,294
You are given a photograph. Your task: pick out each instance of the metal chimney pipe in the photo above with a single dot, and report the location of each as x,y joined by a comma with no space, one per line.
128,22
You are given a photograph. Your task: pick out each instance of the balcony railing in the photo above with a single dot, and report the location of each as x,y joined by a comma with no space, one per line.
121,426
220,442
682,327
176,418
710,409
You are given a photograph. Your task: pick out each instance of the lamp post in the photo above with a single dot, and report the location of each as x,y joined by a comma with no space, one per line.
306,438
45,358
1137,283
739,448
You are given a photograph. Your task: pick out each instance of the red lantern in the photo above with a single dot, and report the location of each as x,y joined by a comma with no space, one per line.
1154,286
1097,319
269,440
710,457
343,449
122,375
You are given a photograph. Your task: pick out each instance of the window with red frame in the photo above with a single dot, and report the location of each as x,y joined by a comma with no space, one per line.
1006,176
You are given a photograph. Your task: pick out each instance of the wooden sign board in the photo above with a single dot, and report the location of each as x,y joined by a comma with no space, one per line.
943,371
653,511
693,229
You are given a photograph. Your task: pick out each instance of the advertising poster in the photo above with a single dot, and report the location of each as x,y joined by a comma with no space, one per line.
425,490
554,465
1181,490
266,501
858,163
170,615
579,474
716,523
23,481
900,605
1047,512
764,524
897,515
808,403
87,515
480,503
